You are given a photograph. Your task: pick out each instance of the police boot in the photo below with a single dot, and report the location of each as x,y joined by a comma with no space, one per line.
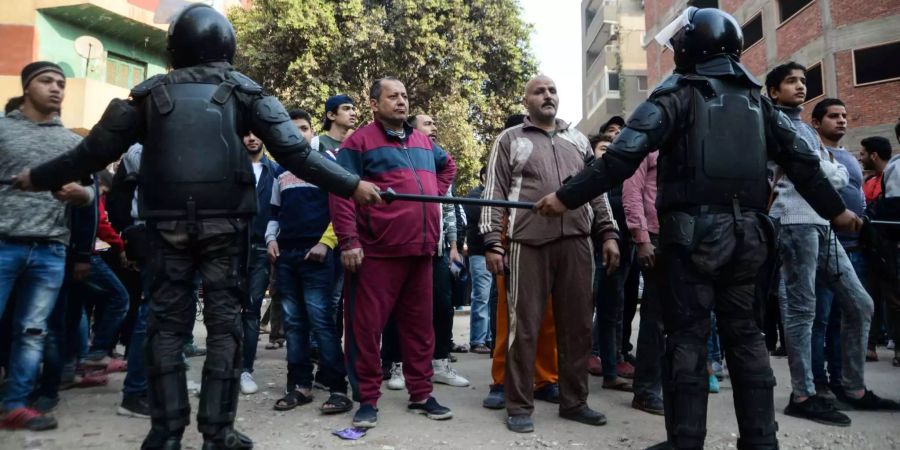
159,439
227,439
169,406
755,410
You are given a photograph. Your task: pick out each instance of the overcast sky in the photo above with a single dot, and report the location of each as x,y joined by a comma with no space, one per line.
556,43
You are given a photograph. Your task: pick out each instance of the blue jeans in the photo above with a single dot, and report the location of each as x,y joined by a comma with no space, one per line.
307,291
826,332
36,270
111,299
481,293
609,303
713,348
810,253
259,281
135,383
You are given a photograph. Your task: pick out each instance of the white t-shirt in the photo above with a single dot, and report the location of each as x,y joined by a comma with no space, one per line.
257,170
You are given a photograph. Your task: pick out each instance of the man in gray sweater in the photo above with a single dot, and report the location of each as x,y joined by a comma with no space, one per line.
808,246
33,234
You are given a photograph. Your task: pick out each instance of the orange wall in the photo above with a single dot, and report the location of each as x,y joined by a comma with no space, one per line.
18,48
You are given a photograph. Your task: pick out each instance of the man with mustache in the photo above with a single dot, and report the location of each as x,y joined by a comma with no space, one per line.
387,251
545,256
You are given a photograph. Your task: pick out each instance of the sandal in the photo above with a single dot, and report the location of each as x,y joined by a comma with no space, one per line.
337,403
618,385
292,400
272,345
459,348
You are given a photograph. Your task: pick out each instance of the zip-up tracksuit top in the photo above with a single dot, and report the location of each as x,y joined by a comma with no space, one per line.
527,163
414,165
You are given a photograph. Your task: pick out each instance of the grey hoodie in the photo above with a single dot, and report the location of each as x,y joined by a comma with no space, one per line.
24,144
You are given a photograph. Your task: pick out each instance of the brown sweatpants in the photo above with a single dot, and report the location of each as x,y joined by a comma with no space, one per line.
563,269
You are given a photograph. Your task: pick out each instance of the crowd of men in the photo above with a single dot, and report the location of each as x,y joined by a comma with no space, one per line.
362,292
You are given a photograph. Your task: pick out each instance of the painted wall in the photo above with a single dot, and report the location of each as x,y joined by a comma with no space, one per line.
57,44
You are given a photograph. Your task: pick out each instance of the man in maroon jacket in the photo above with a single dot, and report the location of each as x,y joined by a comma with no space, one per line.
387,250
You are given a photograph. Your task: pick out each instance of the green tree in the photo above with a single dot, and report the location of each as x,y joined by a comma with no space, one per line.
464,62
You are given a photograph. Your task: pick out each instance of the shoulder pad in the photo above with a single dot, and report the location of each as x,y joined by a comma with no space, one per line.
648,116
245,83
144,88
270,110
670,84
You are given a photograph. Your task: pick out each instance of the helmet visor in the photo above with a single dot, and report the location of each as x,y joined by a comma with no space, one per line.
664,37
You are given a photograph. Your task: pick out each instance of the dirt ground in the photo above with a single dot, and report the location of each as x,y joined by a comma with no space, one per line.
88,420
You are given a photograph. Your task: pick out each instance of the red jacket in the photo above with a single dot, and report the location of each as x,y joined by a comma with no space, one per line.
415,165
105,230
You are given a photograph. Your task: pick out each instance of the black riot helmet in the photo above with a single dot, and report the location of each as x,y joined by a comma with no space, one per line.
199,34
706,33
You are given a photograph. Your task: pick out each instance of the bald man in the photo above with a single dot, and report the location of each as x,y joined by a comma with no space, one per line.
545,256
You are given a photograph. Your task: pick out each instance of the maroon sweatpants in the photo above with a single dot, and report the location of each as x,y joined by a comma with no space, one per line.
382,286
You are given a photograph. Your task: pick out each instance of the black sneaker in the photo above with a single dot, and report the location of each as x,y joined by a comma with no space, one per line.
432,409
870,402
366,417
817,409
227,439
134,406
779,352
520,423
496,399
548,393
650,403
586,416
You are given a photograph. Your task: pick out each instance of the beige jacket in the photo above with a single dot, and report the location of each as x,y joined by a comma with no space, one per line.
525,164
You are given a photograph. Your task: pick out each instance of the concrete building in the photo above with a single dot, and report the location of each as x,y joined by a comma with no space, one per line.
133,49
851,49
613,64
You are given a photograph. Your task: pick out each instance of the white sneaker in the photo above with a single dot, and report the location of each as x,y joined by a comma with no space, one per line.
445,374
397,382
248,386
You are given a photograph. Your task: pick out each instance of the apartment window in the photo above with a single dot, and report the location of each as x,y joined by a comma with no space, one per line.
814,86
787,8
612,80
123,71
642,82
872,64
704,3
753,31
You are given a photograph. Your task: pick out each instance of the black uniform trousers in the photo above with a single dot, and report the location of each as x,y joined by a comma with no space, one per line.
715,262
217,249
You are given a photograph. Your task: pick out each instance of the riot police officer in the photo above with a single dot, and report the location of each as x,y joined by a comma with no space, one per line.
197,192
715,132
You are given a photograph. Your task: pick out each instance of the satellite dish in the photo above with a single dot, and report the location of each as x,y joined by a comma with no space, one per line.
88,47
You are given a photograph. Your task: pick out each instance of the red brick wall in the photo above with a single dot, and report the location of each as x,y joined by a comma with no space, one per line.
846,12
799,31
149,5
755,58
19,44
730,5
870,105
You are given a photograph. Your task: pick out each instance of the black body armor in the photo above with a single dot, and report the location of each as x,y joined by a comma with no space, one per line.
722,156
194,164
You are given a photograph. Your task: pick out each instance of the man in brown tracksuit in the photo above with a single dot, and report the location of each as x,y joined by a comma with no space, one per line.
546,257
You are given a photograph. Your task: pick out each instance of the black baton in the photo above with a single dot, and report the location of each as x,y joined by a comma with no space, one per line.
389,196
